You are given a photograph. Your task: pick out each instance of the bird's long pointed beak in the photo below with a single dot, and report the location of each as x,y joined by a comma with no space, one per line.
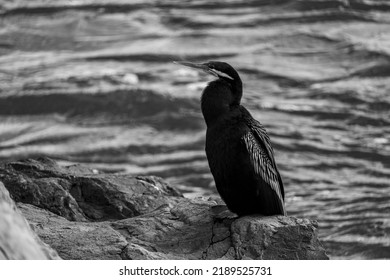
200,66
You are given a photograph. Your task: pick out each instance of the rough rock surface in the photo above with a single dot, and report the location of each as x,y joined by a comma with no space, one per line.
84,215
77,194
17,240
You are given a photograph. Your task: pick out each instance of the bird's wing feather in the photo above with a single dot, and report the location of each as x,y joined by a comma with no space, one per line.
261,154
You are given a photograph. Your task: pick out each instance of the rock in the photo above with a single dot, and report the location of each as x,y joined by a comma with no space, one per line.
17,240
77,194
104,216
75,240
277,237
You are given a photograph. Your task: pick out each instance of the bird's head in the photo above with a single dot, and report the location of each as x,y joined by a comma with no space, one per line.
221,70
224,72
221,95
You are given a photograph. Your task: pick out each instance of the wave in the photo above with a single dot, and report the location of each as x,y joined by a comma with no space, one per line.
40,6
138,105
150,57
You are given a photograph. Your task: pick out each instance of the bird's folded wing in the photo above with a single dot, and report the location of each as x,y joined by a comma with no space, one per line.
263,162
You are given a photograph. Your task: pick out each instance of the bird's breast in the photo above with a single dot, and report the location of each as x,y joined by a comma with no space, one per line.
224,145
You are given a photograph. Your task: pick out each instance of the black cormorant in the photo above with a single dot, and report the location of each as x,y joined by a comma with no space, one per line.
238,148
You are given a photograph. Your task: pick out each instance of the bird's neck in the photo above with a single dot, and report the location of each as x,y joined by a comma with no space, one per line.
218,99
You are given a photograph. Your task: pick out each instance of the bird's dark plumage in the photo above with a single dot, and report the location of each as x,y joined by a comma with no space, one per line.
238,148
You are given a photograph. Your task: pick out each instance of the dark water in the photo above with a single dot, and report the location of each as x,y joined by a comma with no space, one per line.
92,82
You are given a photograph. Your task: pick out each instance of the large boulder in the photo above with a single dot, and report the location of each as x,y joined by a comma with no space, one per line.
84,215
79,194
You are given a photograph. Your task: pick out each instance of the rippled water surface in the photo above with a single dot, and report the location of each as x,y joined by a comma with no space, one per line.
92,82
